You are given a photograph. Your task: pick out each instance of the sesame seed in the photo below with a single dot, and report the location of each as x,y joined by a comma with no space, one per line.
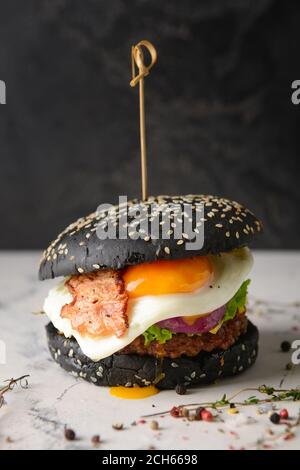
80,270
227,234
71,353
167,250
96,266
180,242
237,235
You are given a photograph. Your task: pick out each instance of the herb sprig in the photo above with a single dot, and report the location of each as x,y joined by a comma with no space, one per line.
10,384
272,395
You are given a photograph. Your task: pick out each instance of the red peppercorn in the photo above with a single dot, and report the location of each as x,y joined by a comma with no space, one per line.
284,413
206,415
175,412
96,439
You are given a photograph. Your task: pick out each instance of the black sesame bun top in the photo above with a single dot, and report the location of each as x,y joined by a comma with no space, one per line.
78,249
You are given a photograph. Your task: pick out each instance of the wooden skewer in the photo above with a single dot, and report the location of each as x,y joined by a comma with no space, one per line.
137,60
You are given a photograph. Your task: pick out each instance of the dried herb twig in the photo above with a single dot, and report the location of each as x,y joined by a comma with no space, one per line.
273,395
10,384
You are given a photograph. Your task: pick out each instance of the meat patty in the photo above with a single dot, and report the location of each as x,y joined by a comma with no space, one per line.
99,304
181,344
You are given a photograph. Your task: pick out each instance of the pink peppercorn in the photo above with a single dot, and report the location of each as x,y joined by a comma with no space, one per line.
206,415
175,412
284,413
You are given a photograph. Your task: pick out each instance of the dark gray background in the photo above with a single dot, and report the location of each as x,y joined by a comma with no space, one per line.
219,112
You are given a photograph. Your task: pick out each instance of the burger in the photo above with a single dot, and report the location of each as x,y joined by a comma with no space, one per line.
147,309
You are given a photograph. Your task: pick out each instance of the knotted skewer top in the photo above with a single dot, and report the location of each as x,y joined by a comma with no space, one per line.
137,60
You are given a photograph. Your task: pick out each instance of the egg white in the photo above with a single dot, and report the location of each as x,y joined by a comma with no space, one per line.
230,271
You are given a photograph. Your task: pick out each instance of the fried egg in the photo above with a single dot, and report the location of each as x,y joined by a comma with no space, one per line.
158,291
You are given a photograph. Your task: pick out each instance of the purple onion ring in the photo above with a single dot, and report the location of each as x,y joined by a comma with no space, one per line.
201,325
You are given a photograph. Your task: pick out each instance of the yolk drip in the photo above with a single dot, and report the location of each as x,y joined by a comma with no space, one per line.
167,277
133,393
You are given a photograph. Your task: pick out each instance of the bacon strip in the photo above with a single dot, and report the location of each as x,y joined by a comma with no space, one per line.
99,304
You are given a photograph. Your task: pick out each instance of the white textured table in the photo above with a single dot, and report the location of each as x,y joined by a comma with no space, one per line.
34,418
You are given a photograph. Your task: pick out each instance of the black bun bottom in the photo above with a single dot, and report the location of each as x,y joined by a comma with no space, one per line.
131,369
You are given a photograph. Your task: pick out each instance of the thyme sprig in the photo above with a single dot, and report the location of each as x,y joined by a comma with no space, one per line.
10,384
272,395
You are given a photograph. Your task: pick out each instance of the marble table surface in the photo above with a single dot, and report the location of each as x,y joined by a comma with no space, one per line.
34,418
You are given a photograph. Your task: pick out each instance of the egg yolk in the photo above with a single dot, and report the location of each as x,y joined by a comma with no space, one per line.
167,276
133,393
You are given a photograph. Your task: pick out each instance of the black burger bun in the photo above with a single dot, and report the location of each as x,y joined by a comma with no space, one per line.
131,369
78,249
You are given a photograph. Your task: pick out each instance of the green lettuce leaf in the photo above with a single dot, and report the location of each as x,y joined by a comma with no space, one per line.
238,302
155,333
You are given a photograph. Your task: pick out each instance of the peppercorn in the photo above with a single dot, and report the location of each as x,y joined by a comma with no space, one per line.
232,405
289,366
175,412
180,389
154,425
285,346
69,434
232,411
206,415
96,439
198,412
275,418
118,426
284,413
